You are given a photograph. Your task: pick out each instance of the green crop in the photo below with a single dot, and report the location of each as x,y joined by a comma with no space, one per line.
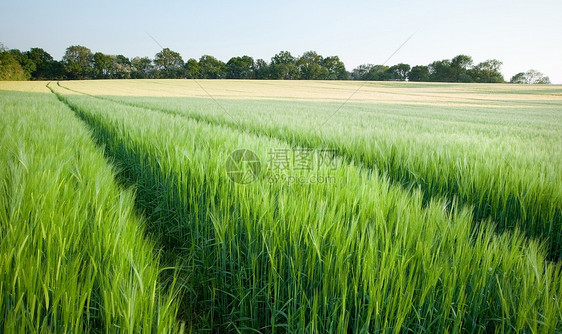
73,254
361,254
502,160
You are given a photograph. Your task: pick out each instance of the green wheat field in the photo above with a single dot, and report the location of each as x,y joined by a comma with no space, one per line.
367,208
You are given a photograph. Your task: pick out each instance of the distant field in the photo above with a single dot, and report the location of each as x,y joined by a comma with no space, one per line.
365,206
336,91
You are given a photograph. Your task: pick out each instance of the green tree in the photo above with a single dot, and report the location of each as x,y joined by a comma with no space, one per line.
169,64
460,67
43,63
10,68
261,69
377,73
360,72
536,77
310,66
399,72
487,71
103,66
441,71
284,66
530,77
518,78
336,68
78,62
56,71
192,69
240,68
142,68
25,62
419,73
121,67
212,68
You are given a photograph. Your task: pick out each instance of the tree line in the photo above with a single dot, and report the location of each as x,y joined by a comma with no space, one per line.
80,63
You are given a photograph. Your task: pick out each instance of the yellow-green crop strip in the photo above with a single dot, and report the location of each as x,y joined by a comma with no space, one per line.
361,254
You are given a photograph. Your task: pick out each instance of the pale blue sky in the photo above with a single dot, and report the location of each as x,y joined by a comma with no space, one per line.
523,34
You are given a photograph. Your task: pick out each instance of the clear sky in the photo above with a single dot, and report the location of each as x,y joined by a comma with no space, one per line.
522,34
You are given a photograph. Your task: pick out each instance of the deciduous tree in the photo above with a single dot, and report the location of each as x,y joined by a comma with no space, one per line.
284,66
43,63
169,64
361,71
212,68
441,70
310,66
192,69
377,73
460,67
335,67
121,67
142,68
419,73
10,68
25,62
103,66
399,72
530,77
261,69
240,68
78,62
487,71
